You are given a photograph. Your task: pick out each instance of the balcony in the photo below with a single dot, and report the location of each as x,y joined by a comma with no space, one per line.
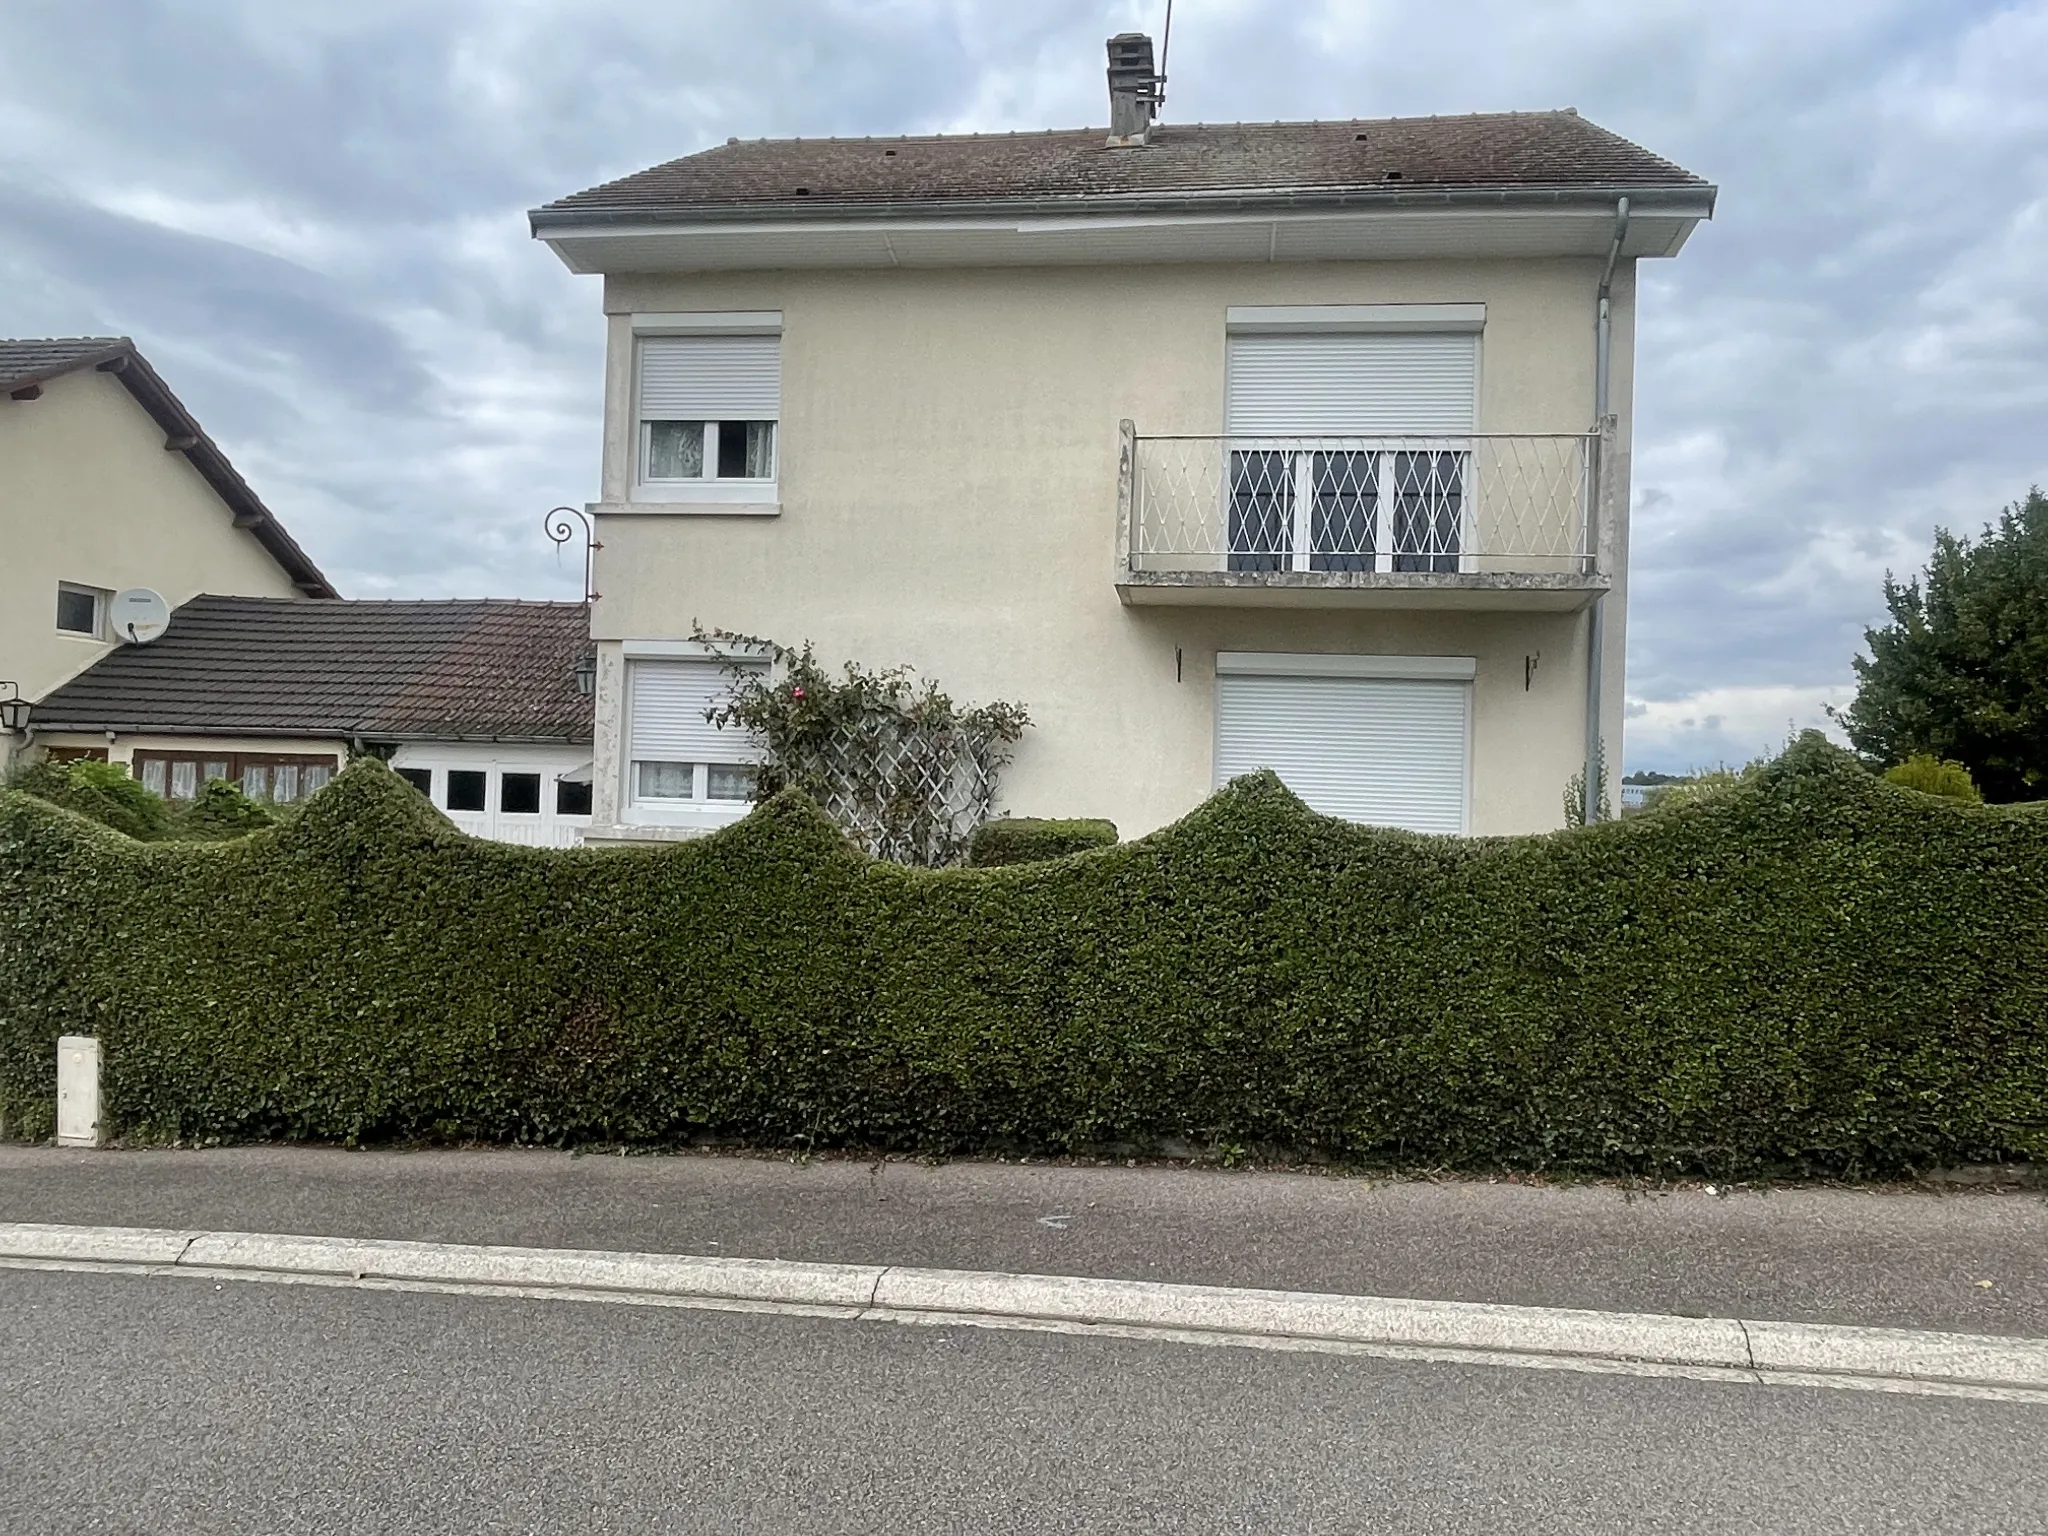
1479,520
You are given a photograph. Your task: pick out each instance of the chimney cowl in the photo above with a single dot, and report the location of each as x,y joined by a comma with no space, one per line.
1136,89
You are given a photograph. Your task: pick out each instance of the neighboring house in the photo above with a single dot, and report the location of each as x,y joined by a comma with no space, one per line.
1217,446
481,704
107,483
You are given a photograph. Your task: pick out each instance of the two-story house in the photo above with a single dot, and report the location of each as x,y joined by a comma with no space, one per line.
108,483
1217,446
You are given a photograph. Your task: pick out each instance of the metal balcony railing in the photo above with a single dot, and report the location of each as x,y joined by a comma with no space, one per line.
1473,504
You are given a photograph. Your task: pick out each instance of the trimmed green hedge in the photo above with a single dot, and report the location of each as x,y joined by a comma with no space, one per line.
1027,840
1811,969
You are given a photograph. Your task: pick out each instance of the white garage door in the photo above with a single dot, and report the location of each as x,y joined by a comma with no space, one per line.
1391,751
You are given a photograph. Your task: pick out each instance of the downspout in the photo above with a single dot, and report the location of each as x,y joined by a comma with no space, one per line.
1596,621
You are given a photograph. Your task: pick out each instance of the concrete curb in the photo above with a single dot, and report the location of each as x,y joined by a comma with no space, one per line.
1808,1353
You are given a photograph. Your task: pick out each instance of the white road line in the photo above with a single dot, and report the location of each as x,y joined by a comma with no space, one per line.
1548,1338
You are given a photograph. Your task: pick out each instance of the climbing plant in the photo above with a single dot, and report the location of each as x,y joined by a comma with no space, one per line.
908,773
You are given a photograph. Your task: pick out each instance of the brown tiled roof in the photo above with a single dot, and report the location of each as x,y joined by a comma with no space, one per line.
27,364
485,669
1557,151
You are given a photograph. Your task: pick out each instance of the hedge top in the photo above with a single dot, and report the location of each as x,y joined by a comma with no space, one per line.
1809,968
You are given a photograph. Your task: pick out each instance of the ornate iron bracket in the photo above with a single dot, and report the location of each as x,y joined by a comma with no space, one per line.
560,530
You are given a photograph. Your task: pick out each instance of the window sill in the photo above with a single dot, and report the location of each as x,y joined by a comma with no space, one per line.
702,814
715,496
646,504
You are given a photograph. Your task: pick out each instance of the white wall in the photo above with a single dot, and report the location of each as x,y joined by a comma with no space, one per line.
948,500
548,829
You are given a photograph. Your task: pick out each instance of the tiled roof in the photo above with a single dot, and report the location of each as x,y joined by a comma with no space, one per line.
477,669
1509,150
25,364
29,361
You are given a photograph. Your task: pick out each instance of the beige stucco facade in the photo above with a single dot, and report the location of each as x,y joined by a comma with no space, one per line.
89,496
948,499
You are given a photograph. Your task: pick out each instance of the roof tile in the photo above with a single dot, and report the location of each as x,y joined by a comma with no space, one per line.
487,668
1490,150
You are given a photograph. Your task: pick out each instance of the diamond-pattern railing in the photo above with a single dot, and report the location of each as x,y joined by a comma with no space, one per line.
905,790
1472,502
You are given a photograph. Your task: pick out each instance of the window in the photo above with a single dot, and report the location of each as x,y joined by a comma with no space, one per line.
81,611
679,758
421,779
279,779
572,797
519,794
466,789
708,410
1347,509
1350,451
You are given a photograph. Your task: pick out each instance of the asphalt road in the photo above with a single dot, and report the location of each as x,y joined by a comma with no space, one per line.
1967,1261
138,1404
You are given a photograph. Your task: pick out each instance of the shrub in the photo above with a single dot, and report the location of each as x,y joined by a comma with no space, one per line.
1028,840
1934,776
220,809
102,791
1810,969
107,794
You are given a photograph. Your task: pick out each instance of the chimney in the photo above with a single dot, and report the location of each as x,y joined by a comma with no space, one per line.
1135,89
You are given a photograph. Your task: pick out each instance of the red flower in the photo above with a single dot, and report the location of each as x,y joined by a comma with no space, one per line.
796,693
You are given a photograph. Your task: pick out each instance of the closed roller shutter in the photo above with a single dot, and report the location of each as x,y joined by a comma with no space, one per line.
1388,751
1342,385
667,700
711,378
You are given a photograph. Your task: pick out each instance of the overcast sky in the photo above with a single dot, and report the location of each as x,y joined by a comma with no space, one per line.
311,217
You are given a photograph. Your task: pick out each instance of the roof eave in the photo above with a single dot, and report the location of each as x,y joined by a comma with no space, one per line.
508,739
339,733
1691,198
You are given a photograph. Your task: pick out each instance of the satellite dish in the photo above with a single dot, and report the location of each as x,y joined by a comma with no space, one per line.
139,615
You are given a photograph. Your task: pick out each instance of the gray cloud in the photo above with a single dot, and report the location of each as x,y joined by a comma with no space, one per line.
311,217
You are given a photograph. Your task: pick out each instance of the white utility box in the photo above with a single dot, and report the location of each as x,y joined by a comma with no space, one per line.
78,1091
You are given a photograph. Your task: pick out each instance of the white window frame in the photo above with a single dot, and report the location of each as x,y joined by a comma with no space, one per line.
708,491
496,794
100,598
699,810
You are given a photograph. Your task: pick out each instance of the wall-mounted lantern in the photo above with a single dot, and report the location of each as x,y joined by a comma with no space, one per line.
586,673
13,709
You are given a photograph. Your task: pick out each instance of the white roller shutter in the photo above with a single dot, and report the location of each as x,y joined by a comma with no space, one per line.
666,724
1388,751
711,378
1340,385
